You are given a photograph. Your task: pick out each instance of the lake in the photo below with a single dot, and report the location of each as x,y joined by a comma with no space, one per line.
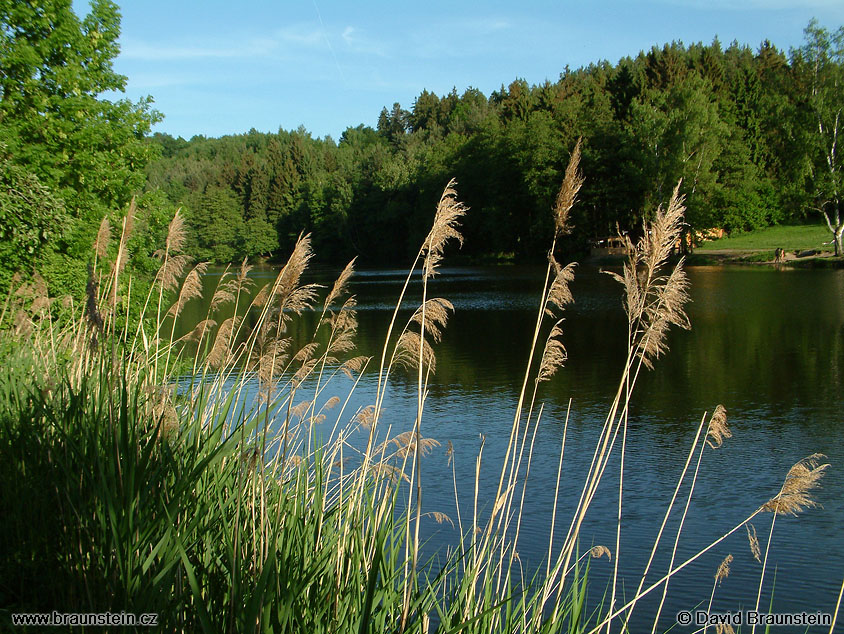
768,344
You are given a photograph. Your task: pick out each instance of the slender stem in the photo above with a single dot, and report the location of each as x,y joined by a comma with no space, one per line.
764,567
557,490
709,607
677,537
618,522
672,572
837,606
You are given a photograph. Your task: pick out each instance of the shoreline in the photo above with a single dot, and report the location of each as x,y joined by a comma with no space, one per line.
754,257
809,259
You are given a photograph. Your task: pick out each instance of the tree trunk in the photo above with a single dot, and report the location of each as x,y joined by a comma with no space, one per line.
837,229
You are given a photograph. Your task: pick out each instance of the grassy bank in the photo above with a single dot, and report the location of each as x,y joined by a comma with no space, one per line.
788,237
210,501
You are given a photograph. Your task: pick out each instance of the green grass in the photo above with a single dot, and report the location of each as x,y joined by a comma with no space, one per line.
790,238
219,512
125,490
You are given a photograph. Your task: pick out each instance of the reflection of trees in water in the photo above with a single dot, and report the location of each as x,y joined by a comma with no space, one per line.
768,344
768,339
758,337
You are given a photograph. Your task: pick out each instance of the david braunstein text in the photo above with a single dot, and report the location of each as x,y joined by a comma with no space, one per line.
752,617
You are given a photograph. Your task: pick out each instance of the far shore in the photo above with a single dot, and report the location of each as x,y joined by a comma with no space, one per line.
805,258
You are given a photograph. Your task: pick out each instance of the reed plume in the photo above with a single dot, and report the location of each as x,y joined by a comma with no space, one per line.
753,542
653,301
261,297
287,282
274,356
191,289
129,220
172,270
306,353
230,288
567,196
406,444
36,290
365,417
303,372
440,517
23,289
299,299
173,262
795,494
559,294
390,472
344,326
23,324
340,284
724,569
718,429
176,233
122,257
221,349
92,311
355,364
299,409
434,314
103,239
198,331
722,573
278,302
445,227
554,354
410,348
798,482
659,240
41,300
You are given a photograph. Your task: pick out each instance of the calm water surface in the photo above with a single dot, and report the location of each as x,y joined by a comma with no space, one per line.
767,344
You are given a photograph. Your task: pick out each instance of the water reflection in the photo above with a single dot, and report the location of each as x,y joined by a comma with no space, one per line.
767,344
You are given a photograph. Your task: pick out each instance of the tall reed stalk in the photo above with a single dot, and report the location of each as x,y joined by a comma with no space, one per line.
245,497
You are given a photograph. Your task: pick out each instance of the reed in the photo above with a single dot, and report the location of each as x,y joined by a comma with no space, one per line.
244,496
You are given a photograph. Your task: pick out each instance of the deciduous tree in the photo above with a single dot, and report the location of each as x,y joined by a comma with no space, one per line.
821,59
87,150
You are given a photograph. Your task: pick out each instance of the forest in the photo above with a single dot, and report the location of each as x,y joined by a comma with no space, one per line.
253,475
751,133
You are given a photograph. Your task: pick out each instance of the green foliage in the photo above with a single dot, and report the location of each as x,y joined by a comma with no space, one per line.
30,218
751,135
88,151
259,237
218,225
207,497
185,499
53,121
739,127
820,65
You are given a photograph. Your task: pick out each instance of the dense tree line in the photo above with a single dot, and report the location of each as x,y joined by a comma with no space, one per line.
750,132
68,156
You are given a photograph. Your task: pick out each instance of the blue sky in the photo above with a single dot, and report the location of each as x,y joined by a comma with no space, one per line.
221,67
